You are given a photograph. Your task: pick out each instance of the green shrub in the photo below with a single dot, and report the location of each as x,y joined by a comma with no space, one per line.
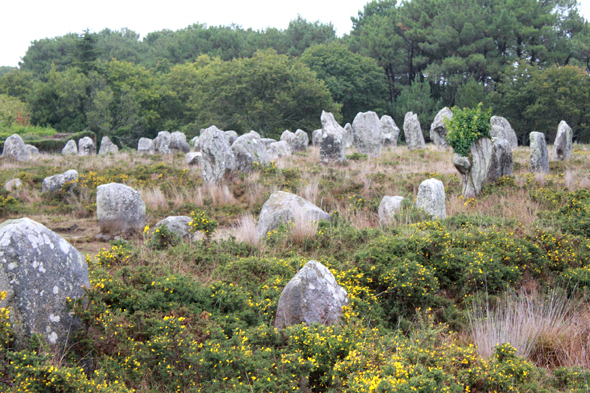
467,126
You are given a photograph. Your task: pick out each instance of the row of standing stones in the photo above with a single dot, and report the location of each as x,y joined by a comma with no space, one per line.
40,270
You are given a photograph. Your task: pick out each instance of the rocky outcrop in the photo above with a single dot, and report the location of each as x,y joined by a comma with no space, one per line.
70,148
389,131
333,145
562,149
284,207
15,149
474,169
40,271
366,131
539,154
146,146
280,149
217,158
312,295
438,128
501,164
56,182
388,207
162,143
431,198
502,129
193,158
248,149
413,132
178,143
178,225
119,208
106,146
86,147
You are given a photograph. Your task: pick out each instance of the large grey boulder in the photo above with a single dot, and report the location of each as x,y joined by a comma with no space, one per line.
389,131
332,145
231,136
283,207
288,137
300,141
438,128
146,145
162,142
178,143
56,182
195,143
431,198
107,146
502,129
388,207
119,208
248,149
312,295
316,137
86,147
474,169
413,132
539,161
15,149
348,135
501,164
40,271
267,141
32,149
562,149
217,158
178,225
70,148
193,158
366,132
280,149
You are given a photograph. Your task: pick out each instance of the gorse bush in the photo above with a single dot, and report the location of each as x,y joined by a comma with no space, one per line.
467,126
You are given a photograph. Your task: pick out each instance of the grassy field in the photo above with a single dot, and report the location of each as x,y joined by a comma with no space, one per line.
493,298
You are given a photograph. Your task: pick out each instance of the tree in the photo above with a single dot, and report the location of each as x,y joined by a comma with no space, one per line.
470,94
417,98
12,111
302,34
46,53
17,84
86,52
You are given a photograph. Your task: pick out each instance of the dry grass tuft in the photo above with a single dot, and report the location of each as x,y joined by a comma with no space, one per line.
245,230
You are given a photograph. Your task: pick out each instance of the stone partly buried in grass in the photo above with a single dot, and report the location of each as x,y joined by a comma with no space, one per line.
39,271
312,295
56,182
119,208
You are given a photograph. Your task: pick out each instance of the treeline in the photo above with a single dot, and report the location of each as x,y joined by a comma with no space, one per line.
527,59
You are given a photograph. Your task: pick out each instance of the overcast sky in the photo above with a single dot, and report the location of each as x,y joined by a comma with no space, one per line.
28,20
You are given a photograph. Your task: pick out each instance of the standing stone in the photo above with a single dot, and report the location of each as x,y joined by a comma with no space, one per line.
348,135
14,148
316,137
146,146
178,225
256,134
12,184
413,132
106,146
280,149
312,295
86,147
562,150
502,129
333,145
231,136
539,153
366,131
501,164
162,143
195,143
388,207
283,207
474,169
438,129
217,157
300,141
39,271
32,149
431,198
288,137
56,182
267,141
70,148
193,158
248,149
389,131
119,208
178,143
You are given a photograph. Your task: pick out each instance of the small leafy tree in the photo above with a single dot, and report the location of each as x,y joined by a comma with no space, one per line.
467,126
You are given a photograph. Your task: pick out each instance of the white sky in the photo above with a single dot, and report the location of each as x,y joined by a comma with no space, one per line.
24,21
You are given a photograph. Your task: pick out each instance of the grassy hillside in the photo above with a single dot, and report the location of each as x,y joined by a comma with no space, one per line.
493,298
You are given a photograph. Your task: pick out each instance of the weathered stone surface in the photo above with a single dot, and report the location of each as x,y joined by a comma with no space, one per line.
283,207
312,295
366,132
413,132
86,147
502,129
501,164
438,129
162,143
178,143
179,225
146,145
316,137
288,137
256,134
12,184
56,182
248,149
562,149
193,158
431,198
267,141
119,208
539,154
70,148
333,145
32,149
280,149
107,146
195,144
389,131
217,157
14,148
231,136
348,135
301,141
388,207
39,271
474,169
